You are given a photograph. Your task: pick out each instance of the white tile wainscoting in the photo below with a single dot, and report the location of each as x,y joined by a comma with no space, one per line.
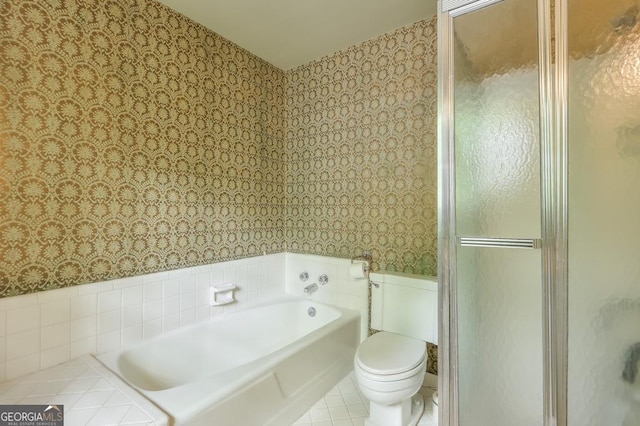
44,329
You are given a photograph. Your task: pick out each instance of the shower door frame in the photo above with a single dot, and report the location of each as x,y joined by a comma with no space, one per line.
553,177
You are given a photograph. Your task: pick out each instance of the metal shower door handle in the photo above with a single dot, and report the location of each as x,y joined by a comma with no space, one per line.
527,243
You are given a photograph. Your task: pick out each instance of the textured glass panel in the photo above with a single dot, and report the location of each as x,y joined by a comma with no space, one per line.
604,212
498,195
499,337
496,121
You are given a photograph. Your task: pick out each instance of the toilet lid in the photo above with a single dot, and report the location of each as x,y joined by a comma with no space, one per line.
390,353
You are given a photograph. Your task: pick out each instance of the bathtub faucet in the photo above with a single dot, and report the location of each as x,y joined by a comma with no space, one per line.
311,288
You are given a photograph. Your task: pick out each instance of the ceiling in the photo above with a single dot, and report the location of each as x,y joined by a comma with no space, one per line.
289,33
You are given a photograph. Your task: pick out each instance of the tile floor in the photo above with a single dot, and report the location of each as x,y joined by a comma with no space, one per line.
344,405
91,395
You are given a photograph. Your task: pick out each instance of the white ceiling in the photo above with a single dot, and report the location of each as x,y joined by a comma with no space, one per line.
289,33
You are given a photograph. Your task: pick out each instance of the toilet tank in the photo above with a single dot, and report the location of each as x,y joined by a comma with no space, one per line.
406,304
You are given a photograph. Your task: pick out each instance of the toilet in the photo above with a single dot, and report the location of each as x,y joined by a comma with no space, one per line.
389,366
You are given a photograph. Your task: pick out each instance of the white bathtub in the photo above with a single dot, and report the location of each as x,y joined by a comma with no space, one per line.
261,366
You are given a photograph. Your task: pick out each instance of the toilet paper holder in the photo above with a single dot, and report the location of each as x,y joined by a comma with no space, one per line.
365,259
366,256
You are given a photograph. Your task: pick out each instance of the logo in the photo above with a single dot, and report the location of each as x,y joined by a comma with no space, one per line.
31,415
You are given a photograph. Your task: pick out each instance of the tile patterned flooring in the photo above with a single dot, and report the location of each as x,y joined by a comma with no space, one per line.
94,396
344,405
91,395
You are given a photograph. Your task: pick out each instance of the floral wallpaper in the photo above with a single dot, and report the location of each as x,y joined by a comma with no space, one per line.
133,140
362,149
361,143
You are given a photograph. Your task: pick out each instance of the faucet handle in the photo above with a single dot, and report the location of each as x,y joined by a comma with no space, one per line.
323,279
303,276
311,288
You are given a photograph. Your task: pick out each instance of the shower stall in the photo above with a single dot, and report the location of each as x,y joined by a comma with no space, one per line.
539,212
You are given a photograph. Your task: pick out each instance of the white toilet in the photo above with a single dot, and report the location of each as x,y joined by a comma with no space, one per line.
389,366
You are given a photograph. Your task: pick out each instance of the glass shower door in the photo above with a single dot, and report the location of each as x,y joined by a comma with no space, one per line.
497,261
603,113
566,317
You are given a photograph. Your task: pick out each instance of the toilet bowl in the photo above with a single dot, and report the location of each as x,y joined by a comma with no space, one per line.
389,369
389,366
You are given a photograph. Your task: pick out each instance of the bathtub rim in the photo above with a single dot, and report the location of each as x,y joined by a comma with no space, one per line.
111,359
220,386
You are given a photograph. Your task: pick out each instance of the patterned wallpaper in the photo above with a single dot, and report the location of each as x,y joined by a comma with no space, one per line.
361,140
362,149
133,140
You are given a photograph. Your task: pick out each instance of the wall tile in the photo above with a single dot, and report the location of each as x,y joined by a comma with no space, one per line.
22,365
109,341
152,310
188,284
55,312
18,302
152,291
151,329
188,317
88,330
110,301
82,347
171,305
109,321
23,343
55,295
132,316
128,282
170,288
84,328
83,306
23,319
204,312
132,296
170,322
55,335
187,301
132,335
54,356
95,288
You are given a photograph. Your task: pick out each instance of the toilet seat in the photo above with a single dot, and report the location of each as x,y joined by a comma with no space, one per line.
374,383
390,356
418,369
390,389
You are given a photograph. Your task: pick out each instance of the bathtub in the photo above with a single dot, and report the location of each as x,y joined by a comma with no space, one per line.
265,365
